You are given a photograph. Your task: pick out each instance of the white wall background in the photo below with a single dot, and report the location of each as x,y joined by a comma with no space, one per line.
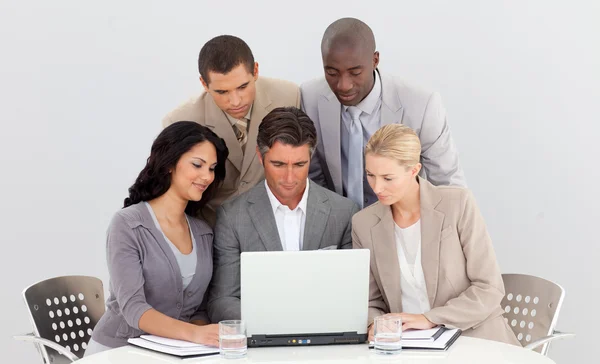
84,85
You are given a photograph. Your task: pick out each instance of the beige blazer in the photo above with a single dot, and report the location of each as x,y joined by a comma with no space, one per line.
462,276
242,171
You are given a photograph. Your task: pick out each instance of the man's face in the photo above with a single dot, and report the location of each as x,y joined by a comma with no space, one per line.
286,171
349,72
233,92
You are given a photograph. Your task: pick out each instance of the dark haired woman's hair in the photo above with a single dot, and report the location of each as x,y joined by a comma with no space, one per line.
175,140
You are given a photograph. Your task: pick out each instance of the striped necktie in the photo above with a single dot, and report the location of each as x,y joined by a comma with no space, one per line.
241,132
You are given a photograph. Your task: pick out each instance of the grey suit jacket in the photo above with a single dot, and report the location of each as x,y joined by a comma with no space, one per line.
246,223
405,104
144,274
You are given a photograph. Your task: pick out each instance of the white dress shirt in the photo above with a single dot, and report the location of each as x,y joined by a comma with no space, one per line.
370,119
290,223
412,279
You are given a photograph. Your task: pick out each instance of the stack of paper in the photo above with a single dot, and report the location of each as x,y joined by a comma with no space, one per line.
438,338
424,335
174,347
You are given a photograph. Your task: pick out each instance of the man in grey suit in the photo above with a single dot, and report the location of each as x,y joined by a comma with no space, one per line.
354,100
286,212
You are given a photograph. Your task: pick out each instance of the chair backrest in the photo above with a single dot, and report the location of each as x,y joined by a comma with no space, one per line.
65,310
531,307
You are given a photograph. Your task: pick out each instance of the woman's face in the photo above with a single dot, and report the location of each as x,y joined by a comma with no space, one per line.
389,180
195,171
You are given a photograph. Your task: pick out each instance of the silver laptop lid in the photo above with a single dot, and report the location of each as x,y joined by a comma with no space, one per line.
305,292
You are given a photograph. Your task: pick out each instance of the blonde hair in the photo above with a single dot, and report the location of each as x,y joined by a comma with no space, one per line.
398,142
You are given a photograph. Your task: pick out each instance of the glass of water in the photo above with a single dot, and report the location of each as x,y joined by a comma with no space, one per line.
232,339
388,335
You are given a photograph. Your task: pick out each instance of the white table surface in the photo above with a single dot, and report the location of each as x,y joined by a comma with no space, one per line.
465,350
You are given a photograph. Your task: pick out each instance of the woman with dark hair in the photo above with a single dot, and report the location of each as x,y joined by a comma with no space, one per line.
159,255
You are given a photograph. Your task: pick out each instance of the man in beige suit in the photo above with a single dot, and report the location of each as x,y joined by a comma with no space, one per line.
432,260
233,104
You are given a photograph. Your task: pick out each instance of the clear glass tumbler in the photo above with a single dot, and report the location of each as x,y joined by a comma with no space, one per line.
232,339
388,335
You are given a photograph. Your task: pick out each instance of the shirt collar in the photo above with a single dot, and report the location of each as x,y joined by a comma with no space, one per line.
233,121
275,204
368,104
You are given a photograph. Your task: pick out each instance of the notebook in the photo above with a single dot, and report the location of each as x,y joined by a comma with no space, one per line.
178,348
446,338
426,335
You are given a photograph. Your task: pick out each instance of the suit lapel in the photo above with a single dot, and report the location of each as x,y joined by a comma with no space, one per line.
391,108
218,122
330,123
259,111
316,218
386,257
261,213
431,229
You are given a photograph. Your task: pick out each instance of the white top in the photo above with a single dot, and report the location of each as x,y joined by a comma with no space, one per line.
464,350
290,223
409,240
412,279
187,262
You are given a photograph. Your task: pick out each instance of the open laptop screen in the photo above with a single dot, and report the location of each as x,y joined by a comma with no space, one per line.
304,293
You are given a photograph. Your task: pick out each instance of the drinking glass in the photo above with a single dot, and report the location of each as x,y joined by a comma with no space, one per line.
232,339
388,335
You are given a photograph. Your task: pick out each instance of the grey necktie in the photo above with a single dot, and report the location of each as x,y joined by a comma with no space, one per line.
355,158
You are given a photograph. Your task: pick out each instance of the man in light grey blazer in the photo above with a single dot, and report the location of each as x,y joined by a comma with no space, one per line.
354,100
285,212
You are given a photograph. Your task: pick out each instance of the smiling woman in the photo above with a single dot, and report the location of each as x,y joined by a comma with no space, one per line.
177,149
156,231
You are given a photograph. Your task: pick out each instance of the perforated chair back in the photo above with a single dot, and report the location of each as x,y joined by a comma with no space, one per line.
531,307
65,310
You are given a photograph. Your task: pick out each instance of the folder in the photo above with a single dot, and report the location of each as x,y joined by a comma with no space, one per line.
180,348
426,335
444,340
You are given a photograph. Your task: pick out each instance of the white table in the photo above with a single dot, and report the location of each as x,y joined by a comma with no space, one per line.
464,351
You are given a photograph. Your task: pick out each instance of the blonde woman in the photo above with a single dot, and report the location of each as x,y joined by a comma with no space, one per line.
432,260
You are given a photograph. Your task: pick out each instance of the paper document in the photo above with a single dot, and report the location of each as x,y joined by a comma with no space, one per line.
443,342
171,346
429,334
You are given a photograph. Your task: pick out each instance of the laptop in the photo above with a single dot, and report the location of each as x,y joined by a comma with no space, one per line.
302,298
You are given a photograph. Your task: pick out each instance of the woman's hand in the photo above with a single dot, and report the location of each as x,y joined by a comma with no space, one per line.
370,336
206,335
413,321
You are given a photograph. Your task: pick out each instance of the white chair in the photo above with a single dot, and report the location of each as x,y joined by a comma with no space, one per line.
531,307
63,312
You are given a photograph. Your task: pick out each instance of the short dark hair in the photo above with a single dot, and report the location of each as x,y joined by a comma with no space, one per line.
287,125
222,54
348,31
175,140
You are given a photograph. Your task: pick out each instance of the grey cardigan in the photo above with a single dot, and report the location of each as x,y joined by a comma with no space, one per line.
144,274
